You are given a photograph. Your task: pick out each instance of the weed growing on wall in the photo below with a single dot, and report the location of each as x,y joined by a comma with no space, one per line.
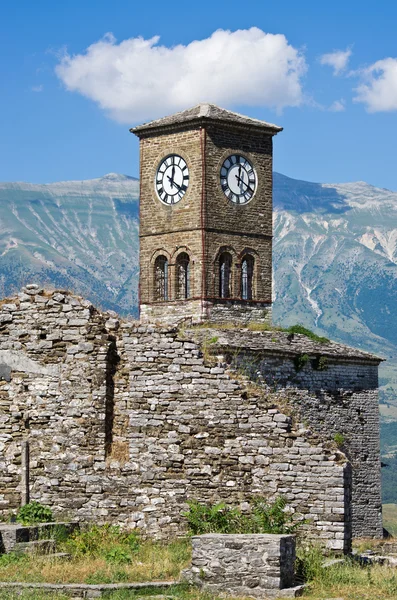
310,334
339,439
300,361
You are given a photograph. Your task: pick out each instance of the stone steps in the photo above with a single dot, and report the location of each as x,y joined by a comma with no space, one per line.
47,547
33,539
158,589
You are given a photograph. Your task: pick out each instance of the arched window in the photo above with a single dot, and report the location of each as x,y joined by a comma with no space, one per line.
225,275
247,276
182,275
161,278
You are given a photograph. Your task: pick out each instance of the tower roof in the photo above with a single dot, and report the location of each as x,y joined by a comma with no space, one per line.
203,114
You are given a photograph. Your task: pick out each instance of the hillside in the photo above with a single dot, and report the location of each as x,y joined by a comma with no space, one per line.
335,254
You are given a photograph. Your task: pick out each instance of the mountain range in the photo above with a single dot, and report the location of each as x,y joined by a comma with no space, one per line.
335,254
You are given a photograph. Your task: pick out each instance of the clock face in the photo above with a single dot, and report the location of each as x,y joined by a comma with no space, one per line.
172,179
238,179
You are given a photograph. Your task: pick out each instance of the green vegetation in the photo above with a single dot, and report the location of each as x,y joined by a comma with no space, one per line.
105,541
388,438
262,518
34,513
348,580
320,363
300,361
390,518
304,331
101,554
339,439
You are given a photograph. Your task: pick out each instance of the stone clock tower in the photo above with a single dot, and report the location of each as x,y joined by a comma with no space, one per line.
206,216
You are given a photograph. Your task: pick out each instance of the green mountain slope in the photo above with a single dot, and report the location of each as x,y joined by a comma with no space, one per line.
80,235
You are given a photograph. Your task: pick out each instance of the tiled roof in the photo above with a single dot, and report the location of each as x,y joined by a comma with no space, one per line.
203,113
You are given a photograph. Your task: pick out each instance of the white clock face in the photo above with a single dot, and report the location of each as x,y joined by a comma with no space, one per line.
238,179
172,179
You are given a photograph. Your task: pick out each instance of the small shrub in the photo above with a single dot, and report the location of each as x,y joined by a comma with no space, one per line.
118,555
270,518
320,363
202,518
310,334
264,518
34,513
339,439
213,340
300,361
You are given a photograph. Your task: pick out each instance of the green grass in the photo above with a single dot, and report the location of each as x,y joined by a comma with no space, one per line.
101,555
390,518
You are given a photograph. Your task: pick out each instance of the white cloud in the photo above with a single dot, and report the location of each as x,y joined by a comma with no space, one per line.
37,88
338,106
378,91
138,79
338,60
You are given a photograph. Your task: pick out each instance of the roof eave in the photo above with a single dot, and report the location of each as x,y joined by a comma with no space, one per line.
267,129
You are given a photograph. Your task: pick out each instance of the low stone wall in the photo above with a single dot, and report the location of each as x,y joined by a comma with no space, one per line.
244,565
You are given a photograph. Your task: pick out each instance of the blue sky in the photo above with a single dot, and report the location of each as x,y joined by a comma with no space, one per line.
68,118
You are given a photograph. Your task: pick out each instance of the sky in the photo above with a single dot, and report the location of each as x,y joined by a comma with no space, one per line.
75,75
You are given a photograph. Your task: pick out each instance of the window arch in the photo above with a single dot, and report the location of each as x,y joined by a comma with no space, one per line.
225,275
182,276
247,277
161,278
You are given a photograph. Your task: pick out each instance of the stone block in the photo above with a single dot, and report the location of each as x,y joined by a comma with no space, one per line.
256,565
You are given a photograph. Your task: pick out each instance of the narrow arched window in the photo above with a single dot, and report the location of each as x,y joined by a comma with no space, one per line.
225,274
247,277
182,275
161,278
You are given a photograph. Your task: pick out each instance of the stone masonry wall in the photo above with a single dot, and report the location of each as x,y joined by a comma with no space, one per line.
126,422
332,394
206,221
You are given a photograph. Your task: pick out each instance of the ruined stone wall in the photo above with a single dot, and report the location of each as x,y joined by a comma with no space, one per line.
126,422
337,396
56,349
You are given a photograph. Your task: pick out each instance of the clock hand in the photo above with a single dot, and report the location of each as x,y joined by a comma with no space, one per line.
242,181
172,173
173,183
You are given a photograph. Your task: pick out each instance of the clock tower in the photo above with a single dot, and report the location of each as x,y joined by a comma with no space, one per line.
206,217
